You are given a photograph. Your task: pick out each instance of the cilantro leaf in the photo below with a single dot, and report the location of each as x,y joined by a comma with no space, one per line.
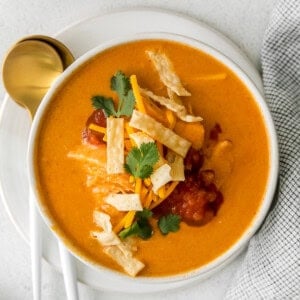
121,85
149,153
146,230
132,160
145,171
107,104
144,214
127,105
169,223
140,161
141,227
133,230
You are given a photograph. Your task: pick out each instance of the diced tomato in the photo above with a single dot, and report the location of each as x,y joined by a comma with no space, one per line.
90,136
193,160
97,117
196,200
195,203
206,176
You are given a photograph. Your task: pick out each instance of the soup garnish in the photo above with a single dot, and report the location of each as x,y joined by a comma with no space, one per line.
160,165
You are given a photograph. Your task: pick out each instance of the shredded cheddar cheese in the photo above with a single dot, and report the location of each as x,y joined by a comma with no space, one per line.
120,225
97,128
168,192
148,199
129,219
161,192
138,185
171,118
147,182
137,95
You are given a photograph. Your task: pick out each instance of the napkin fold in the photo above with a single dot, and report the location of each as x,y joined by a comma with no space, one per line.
270,269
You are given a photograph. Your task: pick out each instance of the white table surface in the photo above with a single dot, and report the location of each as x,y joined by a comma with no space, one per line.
243,21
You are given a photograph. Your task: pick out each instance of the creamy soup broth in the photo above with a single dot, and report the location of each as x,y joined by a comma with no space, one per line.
223,100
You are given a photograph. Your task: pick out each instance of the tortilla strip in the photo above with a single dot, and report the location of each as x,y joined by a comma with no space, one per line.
130,264
177,108
166,73
115,145
160,177
159,132
176,163
125,202
102,220
117,250
167,102
106,238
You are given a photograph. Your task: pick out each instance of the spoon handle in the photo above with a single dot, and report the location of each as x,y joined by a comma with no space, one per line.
36,248
69,272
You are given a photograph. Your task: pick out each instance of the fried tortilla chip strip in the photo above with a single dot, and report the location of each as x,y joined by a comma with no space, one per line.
166,73
140,138
124,202
167,102
115,145
160,177
176,163
106,238
102,220
131,265
119,251
159,132
177,108
174,97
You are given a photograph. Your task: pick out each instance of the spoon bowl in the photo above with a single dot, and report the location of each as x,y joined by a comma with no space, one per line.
30,68
66,56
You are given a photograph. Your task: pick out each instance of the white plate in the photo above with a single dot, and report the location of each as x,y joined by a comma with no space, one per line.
15,122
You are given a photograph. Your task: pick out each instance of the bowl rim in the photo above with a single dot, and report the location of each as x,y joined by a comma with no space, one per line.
212,266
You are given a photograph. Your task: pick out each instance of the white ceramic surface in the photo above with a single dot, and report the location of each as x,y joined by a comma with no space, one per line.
14,123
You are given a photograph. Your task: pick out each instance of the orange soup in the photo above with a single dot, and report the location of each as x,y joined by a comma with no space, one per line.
230,141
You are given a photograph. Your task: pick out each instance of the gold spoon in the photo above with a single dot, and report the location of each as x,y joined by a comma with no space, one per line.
65,55
29,69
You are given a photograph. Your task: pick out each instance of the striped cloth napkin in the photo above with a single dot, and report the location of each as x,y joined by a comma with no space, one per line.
271,266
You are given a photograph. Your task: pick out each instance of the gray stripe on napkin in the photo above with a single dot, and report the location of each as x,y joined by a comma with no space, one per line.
271,266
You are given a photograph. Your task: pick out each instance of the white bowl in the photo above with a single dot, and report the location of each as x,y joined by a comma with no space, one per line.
237,247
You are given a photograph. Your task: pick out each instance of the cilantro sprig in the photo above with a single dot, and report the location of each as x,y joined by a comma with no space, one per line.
107,104
121,85
141,227
140,161
169,223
